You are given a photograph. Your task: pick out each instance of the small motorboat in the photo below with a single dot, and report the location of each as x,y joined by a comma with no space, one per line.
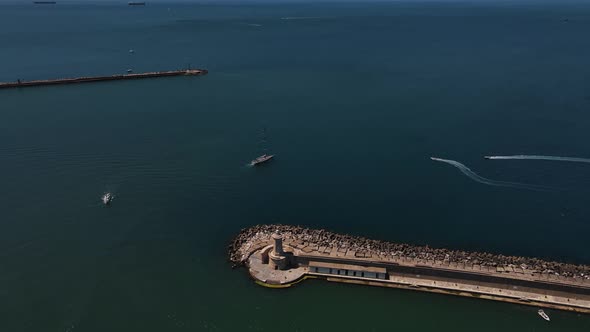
107,198
543,314
262,159
129,71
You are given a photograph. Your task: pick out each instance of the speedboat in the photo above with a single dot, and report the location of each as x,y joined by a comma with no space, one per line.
107,198
487,157
543,314
262,159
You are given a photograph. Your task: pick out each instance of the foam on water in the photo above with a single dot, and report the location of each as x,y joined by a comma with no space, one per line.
473,176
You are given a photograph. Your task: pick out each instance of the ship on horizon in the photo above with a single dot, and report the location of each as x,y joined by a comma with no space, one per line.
136,3
44,2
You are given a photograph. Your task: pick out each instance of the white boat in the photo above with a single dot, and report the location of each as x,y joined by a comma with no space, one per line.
265,157
262,159
107,198
543,314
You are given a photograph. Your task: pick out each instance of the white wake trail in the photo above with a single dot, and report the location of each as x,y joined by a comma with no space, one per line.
535,157
473,176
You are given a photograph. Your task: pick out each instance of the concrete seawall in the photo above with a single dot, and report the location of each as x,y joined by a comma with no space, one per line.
91,79
305,253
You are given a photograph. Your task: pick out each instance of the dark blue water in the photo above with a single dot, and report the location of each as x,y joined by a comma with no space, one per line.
355,99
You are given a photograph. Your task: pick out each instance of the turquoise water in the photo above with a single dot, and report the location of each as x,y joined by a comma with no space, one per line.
355,99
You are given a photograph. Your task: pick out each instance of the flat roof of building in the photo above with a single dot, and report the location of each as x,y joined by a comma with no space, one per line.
347,267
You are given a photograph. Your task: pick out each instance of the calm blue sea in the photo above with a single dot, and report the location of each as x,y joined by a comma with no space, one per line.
355,99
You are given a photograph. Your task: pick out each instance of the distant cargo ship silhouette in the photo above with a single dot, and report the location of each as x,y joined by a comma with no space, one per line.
44,2
136,3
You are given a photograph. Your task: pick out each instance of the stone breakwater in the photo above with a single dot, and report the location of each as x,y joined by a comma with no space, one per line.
252,238
92,79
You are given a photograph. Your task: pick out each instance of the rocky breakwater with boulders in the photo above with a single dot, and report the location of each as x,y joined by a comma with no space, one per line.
255,237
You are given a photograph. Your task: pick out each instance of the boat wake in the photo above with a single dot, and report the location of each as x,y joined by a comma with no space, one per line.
473,176
534,157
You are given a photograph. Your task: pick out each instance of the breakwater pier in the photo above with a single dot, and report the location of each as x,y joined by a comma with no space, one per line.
281,255
92,79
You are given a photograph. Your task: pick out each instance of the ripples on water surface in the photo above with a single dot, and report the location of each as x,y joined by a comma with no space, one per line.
355,98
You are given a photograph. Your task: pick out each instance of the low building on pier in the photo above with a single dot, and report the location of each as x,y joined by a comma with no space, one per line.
348,270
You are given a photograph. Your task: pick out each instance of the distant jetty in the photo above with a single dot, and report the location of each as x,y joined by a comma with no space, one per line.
90,79
280,256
